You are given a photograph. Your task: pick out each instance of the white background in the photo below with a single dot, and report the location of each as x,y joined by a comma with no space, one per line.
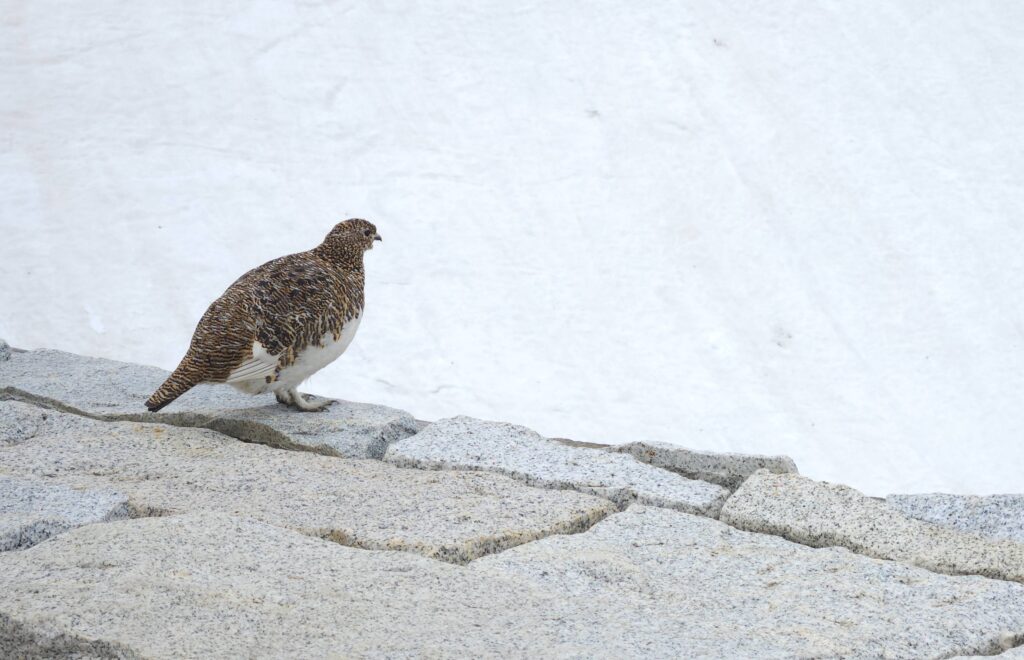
778,227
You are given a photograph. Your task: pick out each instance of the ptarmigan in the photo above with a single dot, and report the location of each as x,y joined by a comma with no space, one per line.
280,323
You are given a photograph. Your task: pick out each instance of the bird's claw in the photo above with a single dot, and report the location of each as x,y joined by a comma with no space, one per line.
304,402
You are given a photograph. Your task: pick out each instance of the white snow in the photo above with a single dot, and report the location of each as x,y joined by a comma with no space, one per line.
768,227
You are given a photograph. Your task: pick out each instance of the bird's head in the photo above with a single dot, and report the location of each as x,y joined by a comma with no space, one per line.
349,240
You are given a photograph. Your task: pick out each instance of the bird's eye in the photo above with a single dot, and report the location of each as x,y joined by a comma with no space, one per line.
367,232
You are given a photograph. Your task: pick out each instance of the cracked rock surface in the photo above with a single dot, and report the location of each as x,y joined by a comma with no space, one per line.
473,444
994,516
519,547
647,582
821,514
33,510
724,469
165,470
117,391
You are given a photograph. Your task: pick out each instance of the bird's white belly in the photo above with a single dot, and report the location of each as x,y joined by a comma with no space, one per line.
309,361
314,358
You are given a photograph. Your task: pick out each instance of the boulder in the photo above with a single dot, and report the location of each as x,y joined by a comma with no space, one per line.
368,504
33,510
724,469
822,514
5,350
994,516
648,582
111,390
465,443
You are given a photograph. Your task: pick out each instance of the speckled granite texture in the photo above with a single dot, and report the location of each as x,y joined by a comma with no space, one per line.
994,516
519,547
368,504
724,469
822,514
19,421
648,582
465,443
33,510
117,390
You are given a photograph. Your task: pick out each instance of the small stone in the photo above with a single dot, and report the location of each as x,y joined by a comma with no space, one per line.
168,470
994,516
462,443
724,469
114,390
5,350
822,514
33,510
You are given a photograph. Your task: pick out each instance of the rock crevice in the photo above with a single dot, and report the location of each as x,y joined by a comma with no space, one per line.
545,548
820,514
647,582
465,443
367,504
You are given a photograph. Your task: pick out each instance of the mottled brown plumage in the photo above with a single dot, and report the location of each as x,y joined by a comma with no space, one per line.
279,322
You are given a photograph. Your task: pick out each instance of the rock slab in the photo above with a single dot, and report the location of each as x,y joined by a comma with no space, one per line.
465,443
33,510
724,469
648,582
167,470
112,390
822,514
994,516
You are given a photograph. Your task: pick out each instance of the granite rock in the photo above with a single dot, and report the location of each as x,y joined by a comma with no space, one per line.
648,582
112,390
464,443
33,510
724,469
994,516
733,594
19,421
1015,652
210,586
368,504
822,514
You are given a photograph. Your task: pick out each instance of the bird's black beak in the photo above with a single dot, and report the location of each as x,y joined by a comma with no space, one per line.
377,237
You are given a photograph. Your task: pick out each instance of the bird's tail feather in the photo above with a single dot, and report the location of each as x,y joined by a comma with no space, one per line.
178,383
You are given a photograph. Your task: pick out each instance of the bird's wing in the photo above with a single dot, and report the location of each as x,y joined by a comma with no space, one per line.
260,365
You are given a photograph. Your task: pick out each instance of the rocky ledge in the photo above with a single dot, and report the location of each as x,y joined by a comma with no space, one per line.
227,526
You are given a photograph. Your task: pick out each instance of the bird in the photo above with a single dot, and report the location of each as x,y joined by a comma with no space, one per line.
280,323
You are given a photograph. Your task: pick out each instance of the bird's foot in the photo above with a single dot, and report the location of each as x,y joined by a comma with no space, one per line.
303,402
